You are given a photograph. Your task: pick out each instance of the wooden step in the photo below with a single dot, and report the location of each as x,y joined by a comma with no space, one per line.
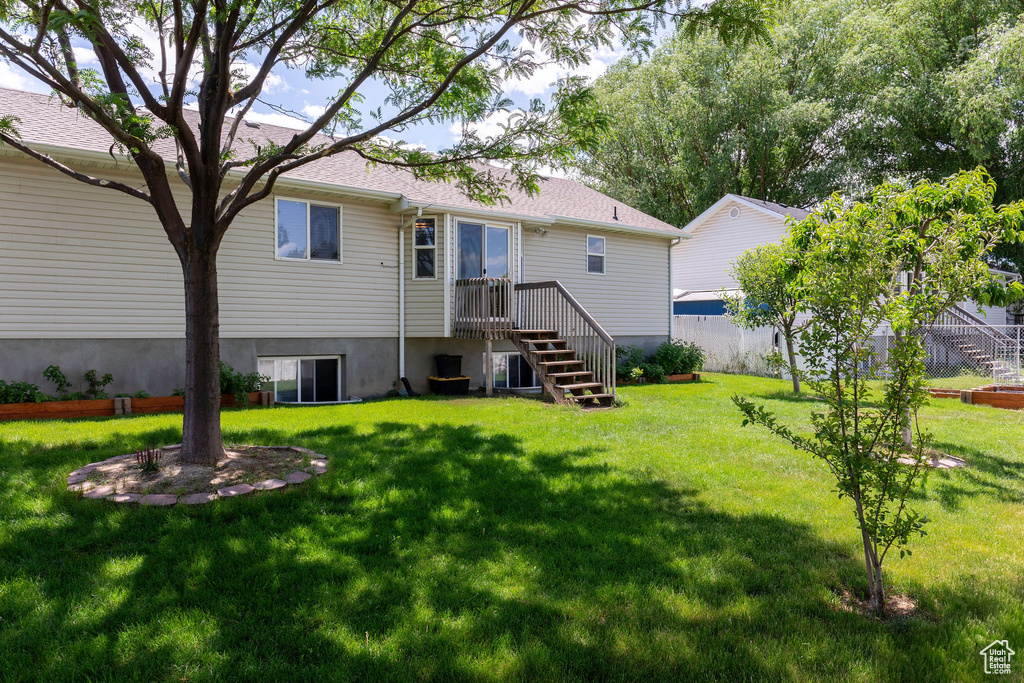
581,373
561,362
533,333
581,386
554,352
546,341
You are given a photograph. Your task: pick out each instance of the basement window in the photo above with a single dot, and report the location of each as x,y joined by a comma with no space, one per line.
308,231
595,255
511,371
424,249
305,379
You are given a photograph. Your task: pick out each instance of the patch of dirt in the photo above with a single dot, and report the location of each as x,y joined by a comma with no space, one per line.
240,465
937,460
896,606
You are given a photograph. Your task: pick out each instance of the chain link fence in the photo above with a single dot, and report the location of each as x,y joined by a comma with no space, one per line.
967,356
961,356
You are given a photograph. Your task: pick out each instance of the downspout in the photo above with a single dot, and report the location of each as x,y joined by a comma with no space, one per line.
401,292
671,301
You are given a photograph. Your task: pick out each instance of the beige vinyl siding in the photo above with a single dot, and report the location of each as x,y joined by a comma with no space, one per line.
424,299
84,262
703,262
631,298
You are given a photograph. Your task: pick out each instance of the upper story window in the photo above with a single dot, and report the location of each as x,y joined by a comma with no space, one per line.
424,249
308,231
595,255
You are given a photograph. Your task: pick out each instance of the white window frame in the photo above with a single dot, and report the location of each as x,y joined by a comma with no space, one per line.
536,387
604,256
308,203
298,377
424,248
508,227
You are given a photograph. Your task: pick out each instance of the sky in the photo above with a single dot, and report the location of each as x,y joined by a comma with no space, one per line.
292,91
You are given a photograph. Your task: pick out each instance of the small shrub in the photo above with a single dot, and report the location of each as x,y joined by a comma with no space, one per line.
177,392
240,384
21,392
654,373
54,374
96,386
137,394
148,459
627,358
636,373
679,358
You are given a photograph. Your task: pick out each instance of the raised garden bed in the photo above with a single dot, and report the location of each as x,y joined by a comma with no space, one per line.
1007,396
944,393
108,407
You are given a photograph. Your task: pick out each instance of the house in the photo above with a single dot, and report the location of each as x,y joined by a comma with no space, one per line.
968,337
701,265
347,280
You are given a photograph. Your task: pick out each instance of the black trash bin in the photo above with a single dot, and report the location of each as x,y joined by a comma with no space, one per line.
448,366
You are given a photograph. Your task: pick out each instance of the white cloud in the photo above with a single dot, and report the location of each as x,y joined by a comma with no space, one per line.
85,57
273,82
9,78
314,111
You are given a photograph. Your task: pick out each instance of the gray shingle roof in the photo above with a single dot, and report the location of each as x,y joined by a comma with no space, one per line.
45,121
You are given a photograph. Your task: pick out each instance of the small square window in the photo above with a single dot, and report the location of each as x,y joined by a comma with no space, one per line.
595,255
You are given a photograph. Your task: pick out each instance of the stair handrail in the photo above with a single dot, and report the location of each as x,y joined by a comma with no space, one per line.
571,300
549,305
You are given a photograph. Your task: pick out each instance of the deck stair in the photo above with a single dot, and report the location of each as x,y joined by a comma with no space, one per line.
571,354
554,362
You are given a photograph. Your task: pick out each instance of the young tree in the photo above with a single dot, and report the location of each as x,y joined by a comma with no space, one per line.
770,295
852,276
438,61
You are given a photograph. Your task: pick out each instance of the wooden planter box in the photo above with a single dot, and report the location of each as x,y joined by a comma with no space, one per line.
106,407
944,393
1006,396
174,404
57,409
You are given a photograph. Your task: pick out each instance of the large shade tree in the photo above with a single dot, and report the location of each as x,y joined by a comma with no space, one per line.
437,61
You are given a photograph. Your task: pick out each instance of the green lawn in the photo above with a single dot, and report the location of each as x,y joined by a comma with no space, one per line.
506,539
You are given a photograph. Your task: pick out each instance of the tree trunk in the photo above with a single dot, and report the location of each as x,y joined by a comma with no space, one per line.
792,361
201,440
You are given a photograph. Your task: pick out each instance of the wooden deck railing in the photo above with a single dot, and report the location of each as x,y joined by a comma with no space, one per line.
550,306
483,308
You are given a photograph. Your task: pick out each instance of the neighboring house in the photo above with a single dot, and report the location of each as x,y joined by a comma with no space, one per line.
701,265
347,279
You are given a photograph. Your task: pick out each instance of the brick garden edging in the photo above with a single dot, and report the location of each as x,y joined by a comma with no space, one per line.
78,481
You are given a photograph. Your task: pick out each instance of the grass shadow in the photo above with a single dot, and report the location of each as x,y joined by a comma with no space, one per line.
429,551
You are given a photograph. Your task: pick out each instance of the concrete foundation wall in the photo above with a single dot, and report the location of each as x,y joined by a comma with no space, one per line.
158,365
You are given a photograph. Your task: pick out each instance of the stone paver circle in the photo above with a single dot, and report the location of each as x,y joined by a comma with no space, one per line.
78,481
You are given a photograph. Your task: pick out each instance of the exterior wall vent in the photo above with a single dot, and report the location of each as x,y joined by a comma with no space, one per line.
734,212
